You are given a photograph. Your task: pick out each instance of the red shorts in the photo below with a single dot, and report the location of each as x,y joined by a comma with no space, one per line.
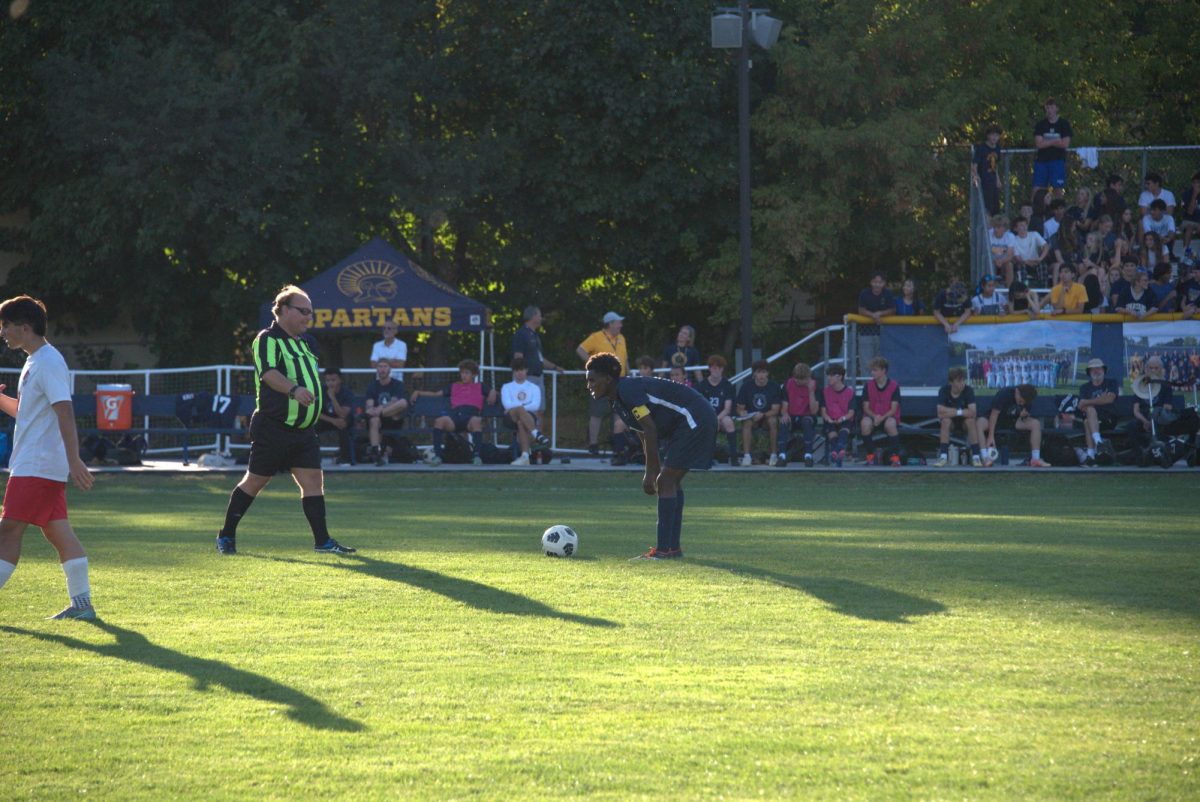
34,500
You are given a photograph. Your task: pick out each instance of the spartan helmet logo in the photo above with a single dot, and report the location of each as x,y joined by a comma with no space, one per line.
372,281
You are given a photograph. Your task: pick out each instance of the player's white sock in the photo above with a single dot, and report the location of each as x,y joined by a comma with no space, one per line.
77,582
536,433
1036,454
1096,438
6,570
1091,452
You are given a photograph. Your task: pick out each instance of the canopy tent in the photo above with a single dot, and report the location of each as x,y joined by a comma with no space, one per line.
377,284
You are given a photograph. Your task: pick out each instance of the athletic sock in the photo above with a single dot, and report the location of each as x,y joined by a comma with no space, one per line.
678,519
476,442
314,511
618,442
239,502
439,439
944,449
666,522
6,570
1096,438
1035,454
893,444
1091,452
731,442
535,433
975,450
77,582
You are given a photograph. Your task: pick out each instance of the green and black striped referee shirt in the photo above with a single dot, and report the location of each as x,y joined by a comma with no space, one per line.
275,349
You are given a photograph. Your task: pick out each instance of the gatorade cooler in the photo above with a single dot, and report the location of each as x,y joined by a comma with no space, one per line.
114,406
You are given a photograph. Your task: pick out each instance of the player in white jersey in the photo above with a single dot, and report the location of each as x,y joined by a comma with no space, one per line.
45,453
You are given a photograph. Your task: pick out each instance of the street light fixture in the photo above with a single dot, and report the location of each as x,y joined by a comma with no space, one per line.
733,28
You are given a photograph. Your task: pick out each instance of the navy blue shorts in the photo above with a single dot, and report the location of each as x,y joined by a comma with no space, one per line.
1050,174
462,416
692,449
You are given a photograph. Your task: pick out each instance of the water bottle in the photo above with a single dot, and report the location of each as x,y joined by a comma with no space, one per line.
1003,455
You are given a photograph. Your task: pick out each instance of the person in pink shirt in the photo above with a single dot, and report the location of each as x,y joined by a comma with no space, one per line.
837,410
467,400
803,406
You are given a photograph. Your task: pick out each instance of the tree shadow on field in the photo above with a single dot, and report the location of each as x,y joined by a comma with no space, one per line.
845,596
466,591
133,647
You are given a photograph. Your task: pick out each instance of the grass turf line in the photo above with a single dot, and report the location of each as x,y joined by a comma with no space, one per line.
852,637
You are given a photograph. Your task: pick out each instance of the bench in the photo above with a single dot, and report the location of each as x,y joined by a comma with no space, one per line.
168,406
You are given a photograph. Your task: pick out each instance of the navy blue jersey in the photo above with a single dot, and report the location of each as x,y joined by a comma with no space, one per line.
383,394
1089,391
759,399
962,401
717,394
672,406
527,343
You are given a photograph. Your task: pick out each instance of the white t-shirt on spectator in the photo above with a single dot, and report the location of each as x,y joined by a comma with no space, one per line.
397,350
1050,227
1164,194
1162,228
521,394
998,245
38,448
1029,246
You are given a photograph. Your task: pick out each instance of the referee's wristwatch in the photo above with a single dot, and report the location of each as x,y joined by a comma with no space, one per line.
295,389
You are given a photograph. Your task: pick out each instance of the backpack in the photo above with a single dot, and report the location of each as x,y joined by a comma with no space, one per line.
457,449
492,454
402,450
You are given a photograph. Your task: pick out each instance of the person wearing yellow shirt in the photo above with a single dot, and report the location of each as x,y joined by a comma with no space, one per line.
1067,296
607,340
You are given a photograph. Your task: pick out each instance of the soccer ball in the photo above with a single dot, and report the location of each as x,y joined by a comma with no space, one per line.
560,541
991,453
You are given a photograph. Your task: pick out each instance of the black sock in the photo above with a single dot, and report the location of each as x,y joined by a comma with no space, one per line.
944,449
239,502
731,443
476,442
893,445
314,511
666,522
678,519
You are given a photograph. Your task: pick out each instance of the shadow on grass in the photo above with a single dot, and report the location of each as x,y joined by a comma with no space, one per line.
133,647
467,591
845,596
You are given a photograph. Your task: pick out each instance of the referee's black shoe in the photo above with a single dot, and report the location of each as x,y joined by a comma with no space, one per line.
331,546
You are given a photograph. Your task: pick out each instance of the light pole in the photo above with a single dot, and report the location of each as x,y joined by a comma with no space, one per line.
731,30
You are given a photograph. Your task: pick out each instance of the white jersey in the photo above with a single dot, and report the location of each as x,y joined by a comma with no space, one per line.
521,394
397,350
38,448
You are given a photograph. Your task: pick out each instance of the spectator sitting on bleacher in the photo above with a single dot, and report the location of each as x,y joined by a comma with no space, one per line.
1154,192
467,400
1067,297
683,351
837,410
1078,212
1029,248
1170,419
987,302
1162,289
1151,254
720,394
1188,293
385,406
645,366
678,375
1052,224
1117,288
1137,300
1097,404
881,408
337,414
389,349
1161,223
803,406
758,403
956,410
1110,201
907,302
521,400
1189,217
1095,283
952,307
1021,299
1127,230
1000,246
1011,410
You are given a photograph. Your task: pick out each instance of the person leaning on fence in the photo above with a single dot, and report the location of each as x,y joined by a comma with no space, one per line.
1068,297
645,366
837,412
1011,409
720,394
952,307
1022,301
907,302
521,400
986,301
283,428
802,408
956,412
758,404
467,397
337,415
386,406
881,409
1052,138
875,302
527,345
607,340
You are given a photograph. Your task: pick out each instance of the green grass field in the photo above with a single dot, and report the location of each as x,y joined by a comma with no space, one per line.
854,636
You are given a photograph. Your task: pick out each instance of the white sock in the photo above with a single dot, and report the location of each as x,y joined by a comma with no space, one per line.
536,434
1096,438
6,570
1036,454
1091,452
77,581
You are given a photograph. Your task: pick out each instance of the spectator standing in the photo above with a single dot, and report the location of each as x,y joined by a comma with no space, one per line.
803,406
720,395
1052,138
985,168
987,302
837,411
881,408
1097,404
1154,191
385,405
682,352
527,345
467,397
390,348
522,399
758,403
875,302
337,414
1011,410
951,306
607,340
956,410
907,302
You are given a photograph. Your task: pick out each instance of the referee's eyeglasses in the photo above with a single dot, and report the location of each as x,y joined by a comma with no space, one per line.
306,311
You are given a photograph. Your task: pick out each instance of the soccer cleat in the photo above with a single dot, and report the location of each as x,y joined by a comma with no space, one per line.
989,462
871,458
331,546
618,460
942,461
895,461
476,460
839,458
541,443
593,450
747,460
77,613
655,554
733,461
226,545
521,460
772,460
1039,463
808,460
433,461
782,463
976,461
1089,462
380,458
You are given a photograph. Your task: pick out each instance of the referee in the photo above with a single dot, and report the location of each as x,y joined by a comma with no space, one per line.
282,430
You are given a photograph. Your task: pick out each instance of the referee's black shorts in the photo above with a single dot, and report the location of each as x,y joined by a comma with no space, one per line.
276,447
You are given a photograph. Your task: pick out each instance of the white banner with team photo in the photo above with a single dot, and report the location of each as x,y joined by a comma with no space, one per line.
1043,353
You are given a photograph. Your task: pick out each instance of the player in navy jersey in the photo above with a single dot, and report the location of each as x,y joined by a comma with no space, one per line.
720,394
668,417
